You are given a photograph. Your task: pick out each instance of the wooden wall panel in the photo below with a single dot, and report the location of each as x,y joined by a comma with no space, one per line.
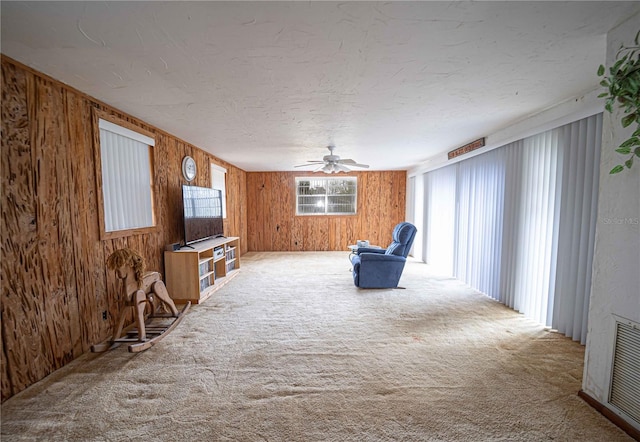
297,235
274,226
172,190
372,207
279,223
19,251
53,221
235,224
87,249
55,285
258,185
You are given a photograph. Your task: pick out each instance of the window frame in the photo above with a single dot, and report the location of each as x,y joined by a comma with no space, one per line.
104,234
326,195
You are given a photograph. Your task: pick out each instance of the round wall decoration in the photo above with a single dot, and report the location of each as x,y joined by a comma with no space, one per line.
188,168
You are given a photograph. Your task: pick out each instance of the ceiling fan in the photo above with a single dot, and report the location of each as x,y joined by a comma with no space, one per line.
332,163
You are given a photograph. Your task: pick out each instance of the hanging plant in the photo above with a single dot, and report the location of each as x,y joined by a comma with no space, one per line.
623,88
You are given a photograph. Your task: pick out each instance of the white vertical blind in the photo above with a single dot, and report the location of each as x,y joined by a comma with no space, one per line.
578,214
418,248
524,223
510,231
480,197
411,213
126,178
440,216
533,217
411,194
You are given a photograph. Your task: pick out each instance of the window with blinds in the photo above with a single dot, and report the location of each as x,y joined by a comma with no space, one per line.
126,171
326,196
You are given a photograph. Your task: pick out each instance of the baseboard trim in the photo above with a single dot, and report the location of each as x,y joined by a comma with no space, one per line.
613,417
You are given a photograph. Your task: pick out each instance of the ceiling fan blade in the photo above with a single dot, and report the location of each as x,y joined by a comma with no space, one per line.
342,168
310,163
351,162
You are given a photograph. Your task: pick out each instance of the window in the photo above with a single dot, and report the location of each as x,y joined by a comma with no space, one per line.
326,196
218,182
124,162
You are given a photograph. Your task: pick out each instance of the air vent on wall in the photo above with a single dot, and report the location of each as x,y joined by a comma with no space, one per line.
625,375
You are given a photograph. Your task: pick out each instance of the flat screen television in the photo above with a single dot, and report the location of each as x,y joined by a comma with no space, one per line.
202,213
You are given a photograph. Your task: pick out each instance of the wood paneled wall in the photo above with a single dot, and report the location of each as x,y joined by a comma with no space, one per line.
55,286
274,226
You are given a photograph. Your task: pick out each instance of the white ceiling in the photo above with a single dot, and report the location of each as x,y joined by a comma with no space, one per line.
268,85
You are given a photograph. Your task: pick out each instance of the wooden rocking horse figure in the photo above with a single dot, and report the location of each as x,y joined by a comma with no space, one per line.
140,290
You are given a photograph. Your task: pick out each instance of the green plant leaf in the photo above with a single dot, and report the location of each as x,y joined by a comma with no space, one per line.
622,86
624,150
629,163
627,120
628,144
617,64
619,168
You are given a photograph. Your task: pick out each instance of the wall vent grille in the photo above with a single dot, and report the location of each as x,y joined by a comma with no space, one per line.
625,376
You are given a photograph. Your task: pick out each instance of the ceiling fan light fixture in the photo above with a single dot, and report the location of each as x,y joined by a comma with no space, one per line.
329,168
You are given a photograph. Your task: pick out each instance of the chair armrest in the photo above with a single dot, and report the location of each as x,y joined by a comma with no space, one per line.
370,250
380,257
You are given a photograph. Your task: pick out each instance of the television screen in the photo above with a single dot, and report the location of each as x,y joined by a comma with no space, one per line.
202,213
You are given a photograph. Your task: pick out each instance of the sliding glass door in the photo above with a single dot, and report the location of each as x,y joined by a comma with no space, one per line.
518,223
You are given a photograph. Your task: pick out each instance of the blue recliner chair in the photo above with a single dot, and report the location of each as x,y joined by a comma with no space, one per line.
382,268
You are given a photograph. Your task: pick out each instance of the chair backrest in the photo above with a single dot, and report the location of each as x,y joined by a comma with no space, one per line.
403,235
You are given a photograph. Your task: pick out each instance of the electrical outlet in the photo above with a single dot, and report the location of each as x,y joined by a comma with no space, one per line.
104,315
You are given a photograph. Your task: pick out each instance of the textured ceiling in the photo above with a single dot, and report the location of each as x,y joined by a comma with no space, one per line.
268,85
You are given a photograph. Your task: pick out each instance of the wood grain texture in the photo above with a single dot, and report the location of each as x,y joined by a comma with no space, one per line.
274,226
236,221
55,286
19,234
92,300
54,224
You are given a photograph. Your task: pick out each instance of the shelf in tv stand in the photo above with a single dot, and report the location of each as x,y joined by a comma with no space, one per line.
194,273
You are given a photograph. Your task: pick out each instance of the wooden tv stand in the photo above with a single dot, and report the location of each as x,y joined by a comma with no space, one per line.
194,274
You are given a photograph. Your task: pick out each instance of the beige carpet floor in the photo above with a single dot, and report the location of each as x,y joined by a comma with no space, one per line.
290,350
